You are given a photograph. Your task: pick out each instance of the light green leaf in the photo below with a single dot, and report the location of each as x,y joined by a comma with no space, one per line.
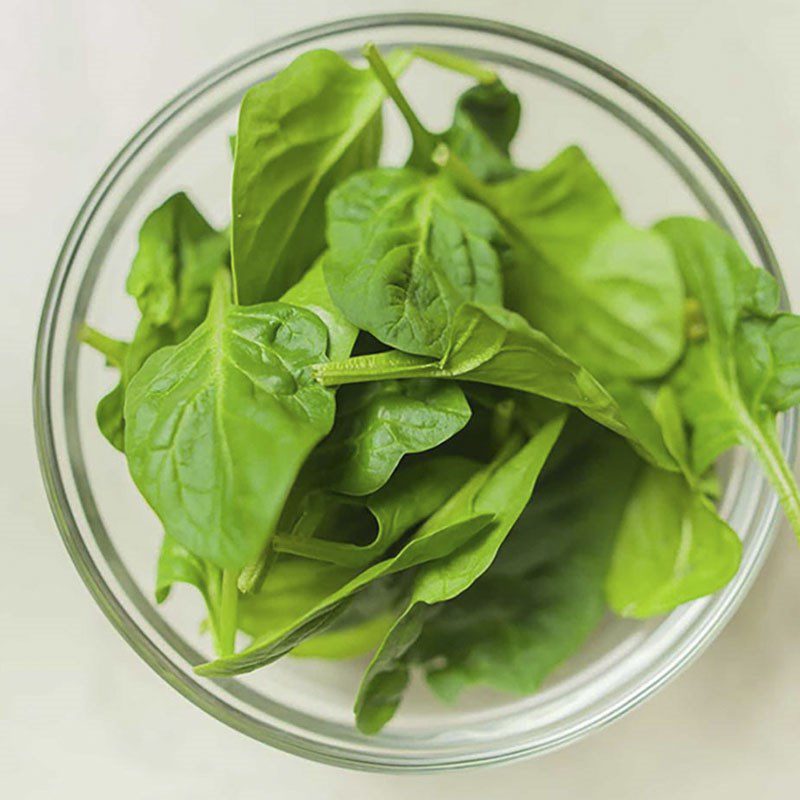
299,135
672,547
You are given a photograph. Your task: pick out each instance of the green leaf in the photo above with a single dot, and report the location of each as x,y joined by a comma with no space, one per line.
299,135
494,346
543,595
379,423
732,383
504,488
606,292
672,547
485,121
429,542
347,642
406,250
311,292
176,564
218,426
354,531
171,275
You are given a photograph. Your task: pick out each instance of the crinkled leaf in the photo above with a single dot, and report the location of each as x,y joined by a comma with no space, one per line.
379,423
406,249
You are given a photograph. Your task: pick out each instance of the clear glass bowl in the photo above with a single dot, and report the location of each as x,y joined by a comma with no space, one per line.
657,165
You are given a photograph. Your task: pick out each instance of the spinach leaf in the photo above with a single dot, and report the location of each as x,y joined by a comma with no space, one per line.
431,541
735,379
543,594
406,250
299,134
172,273
494,346
356,531
379,423
311,292
179,254
176,564
218,426
485,121
505,488
672,547
606,292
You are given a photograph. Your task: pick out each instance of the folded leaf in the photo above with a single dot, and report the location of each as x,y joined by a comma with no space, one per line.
406,249
218,426
505,488
299,134
354,531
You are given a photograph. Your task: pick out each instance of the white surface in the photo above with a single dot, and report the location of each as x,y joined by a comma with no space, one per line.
80,715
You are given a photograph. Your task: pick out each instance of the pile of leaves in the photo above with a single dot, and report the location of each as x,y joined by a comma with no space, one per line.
448,413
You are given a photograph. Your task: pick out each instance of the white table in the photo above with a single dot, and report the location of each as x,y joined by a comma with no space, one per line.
80,715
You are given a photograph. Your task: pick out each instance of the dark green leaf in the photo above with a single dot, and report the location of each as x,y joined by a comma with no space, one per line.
505,487
406,249
379,423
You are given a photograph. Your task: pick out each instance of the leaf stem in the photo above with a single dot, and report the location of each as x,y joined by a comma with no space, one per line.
113,349
379,366
456,63
228,612
251,578
424,140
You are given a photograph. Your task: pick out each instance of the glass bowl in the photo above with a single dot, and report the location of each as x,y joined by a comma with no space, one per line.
656,164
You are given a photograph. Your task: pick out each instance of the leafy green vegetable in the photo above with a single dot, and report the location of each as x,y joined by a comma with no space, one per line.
406,250
494,346
354,531
379,423
179,254
672,547
311,292
606,292
733,382
299,134
219,425
505,488
543,595
485,121
428,543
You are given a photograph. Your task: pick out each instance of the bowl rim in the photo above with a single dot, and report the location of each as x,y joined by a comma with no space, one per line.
52,477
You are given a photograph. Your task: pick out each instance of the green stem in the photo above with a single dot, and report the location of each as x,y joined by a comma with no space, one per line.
251,578
456,63
767,448
228,612
113,349
377,367
424,140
